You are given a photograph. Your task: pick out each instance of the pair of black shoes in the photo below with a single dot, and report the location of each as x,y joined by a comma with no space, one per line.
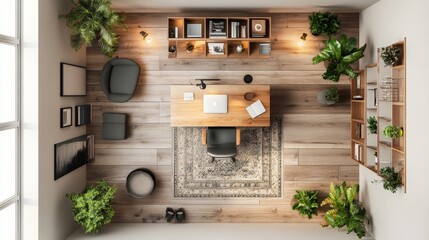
180,214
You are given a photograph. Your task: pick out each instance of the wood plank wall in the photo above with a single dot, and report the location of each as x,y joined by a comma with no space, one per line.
315,138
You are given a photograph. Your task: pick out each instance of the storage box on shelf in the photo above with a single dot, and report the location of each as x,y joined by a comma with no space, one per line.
219,37
384,94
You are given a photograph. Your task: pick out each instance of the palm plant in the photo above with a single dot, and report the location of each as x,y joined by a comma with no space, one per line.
306,203
91,20
340,54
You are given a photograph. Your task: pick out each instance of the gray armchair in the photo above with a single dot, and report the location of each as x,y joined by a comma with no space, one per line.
221,142
119,79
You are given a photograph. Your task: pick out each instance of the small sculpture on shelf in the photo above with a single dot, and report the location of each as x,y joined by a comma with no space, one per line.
189,47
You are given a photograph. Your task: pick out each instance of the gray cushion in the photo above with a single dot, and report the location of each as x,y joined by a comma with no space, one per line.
114,126
123,79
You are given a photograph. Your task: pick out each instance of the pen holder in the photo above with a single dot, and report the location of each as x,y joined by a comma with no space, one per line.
249,96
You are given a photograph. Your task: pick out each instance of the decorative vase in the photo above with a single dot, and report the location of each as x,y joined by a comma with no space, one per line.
239,48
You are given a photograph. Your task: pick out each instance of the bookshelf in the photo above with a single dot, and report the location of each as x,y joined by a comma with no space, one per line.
219,37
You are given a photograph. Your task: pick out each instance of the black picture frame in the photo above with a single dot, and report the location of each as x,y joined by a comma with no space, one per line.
70,155
66,117
82,115
90,139
73,80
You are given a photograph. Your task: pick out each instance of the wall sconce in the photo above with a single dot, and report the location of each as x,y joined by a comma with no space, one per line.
202,85
302,39
145,36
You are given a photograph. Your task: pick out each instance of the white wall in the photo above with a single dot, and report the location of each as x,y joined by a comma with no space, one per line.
402,215
55,218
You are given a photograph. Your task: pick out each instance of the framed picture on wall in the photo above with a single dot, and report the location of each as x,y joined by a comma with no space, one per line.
83,115
70,155
73,80
66,117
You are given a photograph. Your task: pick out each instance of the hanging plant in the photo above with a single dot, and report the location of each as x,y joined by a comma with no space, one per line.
325,24
94,20
392,180
390,55
340,54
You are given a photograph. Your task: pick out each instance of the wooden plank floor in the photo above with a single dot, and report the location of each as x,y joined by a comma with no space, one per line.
315,138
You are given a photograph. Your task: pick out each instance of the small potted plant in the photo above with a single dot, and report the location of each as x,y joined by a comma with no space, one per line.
306,203
372,124
189,47
393,132
392,180
390,55
325,24
92,209
328,96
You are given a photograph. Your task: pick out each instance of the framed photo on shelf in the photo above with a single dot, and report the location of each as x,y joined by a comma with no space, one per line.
73,80
216,48
194,30
66,117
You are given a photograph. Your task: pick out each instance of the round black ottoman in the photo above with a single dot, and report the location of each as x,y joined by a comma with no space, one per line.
141,182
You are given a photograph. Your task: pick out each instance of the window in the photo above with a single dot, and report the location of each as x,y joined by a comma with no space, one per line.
9,121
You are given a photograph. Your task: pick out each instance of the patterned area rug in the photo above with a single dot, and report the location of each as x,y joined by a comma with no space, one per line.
257,172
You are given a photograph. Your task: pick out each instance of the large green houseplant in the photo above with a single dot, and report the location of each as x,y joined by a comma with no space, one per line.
340,54
325,24
94,20
306,203
345,210
92,209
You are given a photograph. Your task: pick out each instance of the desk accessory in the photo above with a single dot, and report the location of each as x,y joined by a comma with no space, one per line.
256,109
188,96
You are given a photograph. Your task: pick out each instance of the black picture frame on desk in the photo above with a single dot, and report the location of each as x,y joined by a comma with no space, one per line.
73,80
83,115
66,119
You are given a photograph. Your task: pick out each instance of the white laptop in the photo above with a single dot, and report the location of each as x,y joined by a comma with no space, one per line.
215,103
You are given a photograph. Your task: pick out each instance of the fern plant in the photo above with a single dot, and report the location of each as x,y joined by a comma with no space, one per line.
92,209
372,124
345,209
306,203
94,20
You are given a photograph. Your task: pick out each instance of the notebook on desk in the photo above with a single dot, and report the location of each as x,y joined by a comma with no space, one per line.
215,103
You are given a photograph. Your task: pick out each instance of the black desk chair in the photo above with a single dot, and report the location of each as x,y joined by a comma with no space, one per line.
221,142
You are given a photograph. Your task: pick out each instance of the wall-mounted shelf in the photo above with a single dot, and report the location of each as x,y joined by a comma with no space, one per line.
219,37
379,151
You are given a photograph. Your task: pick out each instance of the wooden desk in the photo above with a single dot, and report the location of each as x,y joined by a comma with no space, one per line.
190,113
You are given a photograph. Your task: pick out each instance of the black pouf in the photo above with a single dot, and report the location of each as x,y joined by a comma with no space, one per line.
141,182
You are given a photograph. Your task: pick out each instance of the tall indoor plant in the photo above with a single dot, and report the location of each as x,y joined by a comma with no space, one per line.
345,209
340,54
94,20
325,24
92,209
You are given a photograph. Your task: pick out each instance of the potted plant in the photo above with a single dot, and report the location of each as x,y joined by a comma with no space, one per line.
306,203
189,47
94,20
325,24
392,180
390,55
340,54
372,124
345,210
328,96
393,132
92,209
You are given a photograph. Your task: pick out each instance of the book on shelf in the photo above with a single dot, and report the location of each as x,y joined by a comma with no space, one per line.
217,28
264,48
83,114
255,109
235,29
357,152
